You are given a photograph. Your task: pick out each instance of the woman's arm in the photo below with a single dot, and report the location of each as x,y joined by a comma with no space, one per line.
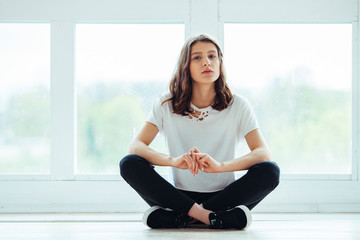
140,146
259,153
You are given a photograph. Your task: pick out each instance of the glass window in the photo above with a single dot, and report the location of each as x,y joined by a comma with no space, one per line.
298,77
120,70
24,98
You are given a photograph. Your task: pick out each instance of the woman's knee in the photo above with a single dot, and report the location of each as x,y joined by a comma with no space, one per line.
129,163
270,172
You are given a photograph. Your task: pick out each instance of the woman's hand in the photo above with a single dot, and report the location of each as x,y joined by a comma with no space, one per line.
185,161
207,163
195,161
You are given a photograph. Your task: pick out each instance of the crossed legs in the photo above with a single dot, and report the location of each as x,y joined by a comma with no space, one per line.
248,190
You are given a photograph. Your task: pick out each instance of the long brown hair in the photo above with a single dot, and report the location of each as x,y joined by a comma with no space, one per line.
180,85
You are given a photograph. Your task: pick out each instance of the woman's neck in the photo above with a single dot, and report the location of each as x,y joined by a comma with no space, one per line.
203,95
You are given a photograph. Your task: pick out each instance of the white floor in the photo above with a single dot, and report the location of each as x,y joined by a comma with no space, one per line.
128,226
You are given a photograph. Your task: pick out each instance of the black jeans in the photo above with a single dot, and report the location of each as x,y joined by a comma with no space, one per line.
248,190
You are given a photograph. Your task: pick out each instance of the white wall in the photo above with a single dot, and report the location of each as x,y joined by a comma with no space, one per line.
63,191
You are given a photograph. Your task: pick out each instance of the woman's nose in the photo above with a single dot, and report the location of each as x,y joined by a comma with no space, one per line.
207,62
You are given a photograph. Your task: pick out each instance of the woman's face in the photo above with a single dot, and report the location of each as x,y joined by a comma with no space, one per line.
205,63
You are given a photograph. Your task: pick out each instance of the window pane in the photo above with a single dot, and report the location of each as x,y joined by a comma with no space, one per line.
298,77
24,98
120,70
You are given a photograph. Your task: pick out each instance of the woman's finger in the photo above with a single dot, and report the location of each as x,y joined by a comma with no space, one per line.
202,165
195,158
196,169
194,150
187,162
199,156
196,166
192,162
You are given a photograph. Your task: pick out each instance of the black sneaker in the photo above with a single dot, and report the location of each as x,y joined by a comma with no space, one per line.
157,217
239,218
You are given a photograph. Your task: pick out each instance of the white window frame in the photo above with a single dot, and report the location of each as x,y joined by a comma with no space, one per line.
63,191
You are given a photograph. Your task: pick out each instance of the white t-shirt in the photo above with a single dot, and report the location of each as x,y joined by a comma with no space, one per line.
216,133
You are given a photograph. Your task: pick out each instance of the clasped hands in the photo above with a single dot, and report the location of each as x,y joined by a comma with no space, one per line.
195,161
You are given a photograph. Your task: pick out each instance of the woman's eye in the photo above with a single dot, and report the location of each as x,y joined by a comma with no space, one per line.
212,56
197,58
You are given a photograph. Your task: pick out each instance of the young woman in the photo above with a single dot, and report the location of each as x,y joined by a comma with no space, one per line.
202,122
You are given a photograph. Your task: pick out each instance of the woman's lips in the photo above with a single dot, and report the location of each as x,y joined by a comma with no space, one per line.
207,71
